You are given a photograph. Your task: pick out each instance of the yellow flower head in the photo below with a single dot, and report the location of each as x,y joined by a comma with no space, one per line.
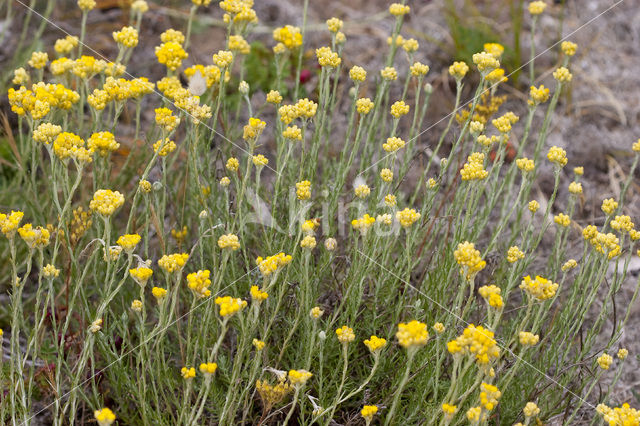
103,143
299,377
128,242
229,241
172,36
105,202
562,220
514,254
345,334
258,344
188,373
104,416
495,49
166,120
273,263
368,411
537,7
398,9
258,295
568,48
357,74
363,223
491,294
34,237
316,312
141,274
308,242
199,282
136,305
364,106
473,169
253,128
386,175
171,55
569,264
159,293
260,160
164,147
393,144
303,190
68,145
407,217
469,259
399,108
575,188
562,75
375,344
557,156
38,60
622,354
458,70
609,206
171,263
539,288
327,57
50,272
605,361
419,69
230,305
208,368
274,97
489,396
9,223
485,62
127,37
389,73
412,334
527,338
531,410
289,36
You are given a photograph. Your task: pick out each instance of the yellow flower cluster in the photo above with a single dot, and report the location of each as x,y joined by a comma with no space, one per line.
171,263
486,62
398,9
127,37
569,264
49,271
208,368
229,241
622,223
273,263
609,206
105,202
375,344
504,122
389,74
538,95
514,254
257,294
188,373
393,144
491,294
345,334
476,341
159,293
34,237
104,143
489,396
42,97
575,188
619,416
308,242
407,217
171,55
562,75
557,156
364,106
412,334
289,36
367,412
605,361
399,108
562,220
473,169
164,147
418,69
303,190
128,242
65,45
141,275
253,128
68,145
199,282
327,57
362,191
527,338
274,97
537,7
104,416
469,259
272,394
166,120
363,223
230,305
458,70
539,288
299,377
211,74
357,74
237,43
